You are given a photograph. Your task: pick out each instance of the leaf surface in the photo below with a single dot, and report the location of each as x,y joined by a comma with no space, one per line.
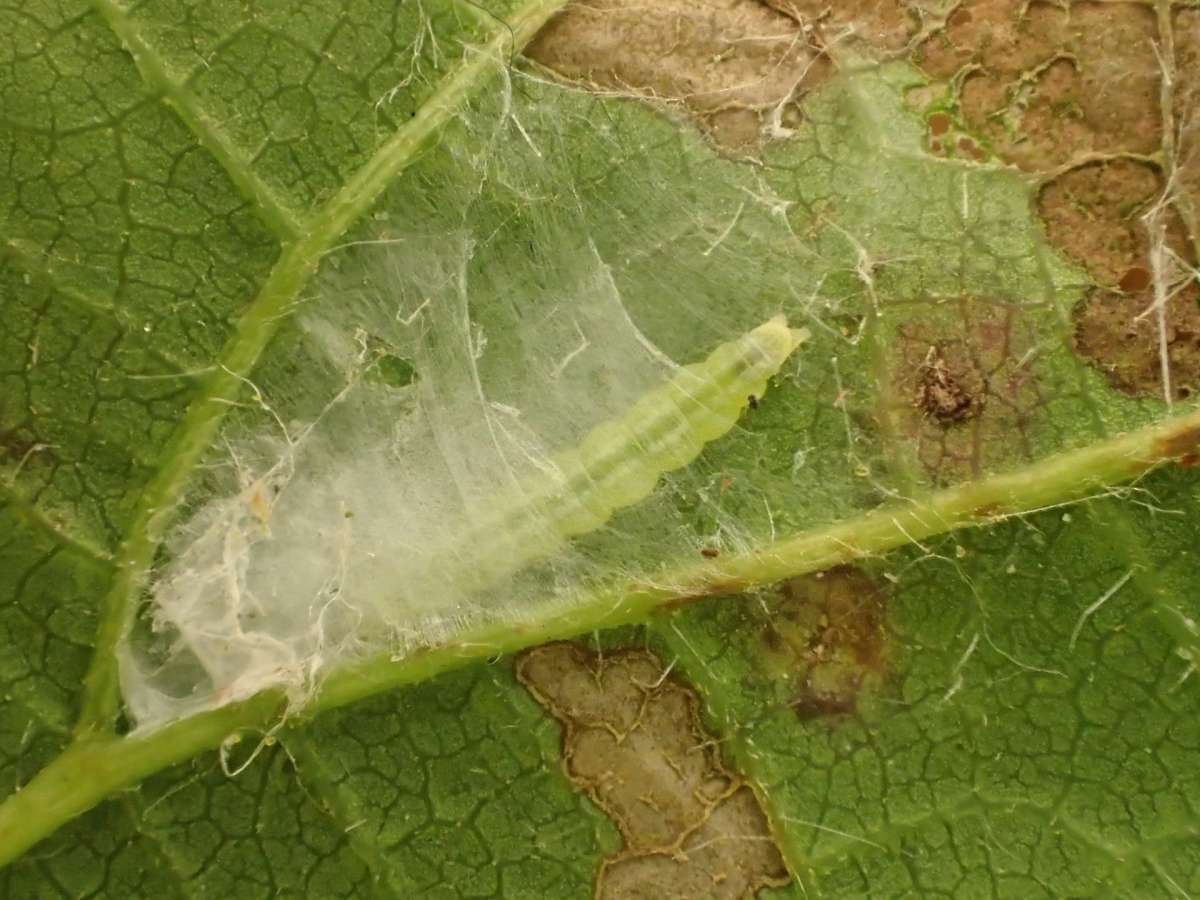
215,215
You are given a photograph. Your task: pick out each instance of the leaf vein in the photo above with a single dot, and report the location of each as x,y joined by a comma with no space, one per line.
312,774
283,221
27,512
35,263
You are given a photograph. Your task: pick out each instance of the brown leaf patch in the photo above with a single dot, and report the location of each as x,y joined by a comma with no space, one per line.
633,740
963,389
727,63
824,635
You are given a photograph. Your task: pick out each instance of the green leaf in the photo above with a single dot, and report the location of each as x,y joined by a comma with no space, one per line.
289,293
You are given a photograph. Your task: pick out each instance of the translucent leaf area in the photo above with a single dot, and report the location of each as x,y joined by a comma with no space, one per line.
456,450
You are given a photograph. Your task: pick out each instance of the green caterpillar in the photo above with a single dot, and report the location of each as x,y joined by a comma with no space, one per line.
619,462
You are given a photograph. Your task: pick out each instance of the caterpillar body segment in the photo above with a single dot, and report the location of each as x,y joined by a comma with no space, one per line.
619,462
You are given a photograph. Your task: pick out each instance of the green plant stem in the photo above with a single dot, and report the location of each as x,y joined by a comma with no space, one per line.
90,770
93,768
1055,480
